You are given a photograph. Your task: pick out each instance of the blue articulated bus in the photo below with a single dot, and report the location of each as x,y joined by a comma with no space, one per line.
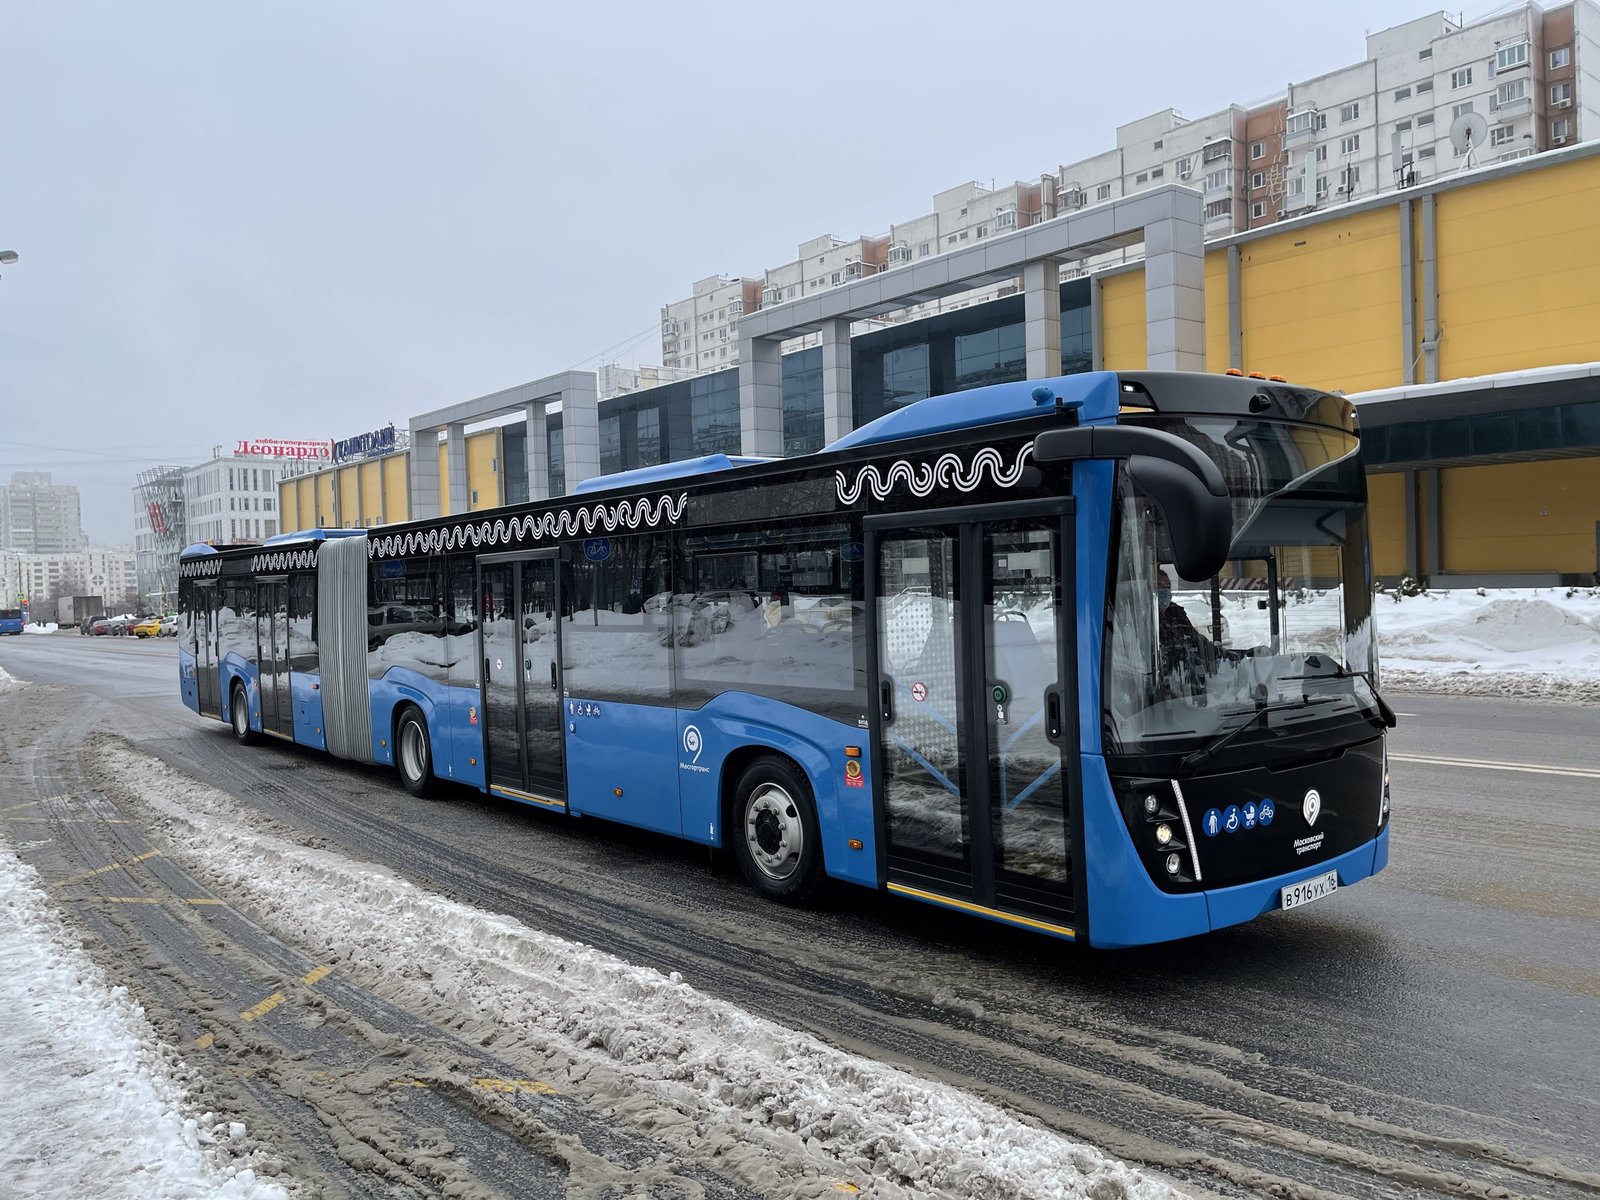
1091,656
10,620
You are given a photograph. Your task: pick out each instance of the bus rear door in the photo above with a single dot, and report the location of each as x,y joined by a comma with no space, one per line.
975,720
208,685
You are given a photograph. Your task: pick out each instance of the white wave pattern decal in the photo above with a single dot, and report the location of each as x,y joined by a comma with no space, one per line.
532,527
202,569
946,471
284,560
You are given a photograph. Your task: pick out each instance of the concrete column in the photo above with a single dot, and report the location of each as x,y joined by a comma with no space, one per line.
538,451
838,389
424,472
1431,333
1175,293
580,427
761,396
455,461
1041,287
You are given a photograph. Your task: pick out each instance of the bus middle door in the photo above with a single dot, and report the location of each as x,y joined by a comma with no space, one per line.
520,645
976,728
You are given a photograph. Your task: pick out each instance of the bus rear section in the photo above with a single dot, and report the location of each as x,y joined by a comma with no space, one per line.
10,620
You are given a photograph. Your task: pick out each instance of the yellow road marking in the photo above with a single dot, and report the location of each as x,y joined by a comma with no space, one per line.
515,1085
490,1084
204,1041
24,804
315,975
262,1009
116,866
127,899
66,820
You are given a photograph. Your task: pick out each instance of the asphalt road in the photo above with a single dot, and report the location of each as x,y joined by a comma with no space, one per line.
1432,1032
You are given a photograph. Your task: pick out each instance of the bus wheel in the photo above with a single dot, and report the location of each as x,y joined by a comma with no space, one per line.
776,839
413,754
241,716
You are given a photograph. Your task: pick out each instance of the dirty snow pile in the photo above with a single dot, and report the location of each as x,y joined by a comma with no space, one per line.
628,1036
91,1107
1531,642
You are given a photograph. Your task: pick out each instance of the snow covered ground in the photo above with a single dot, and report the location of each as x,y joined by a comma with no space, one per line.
109,1116
1536,643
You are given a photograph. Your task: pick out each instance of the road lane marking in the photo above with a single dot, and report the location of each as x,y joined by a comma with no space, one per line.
256,1011
204,1041
533,1087
1485,764
262,1009
116,866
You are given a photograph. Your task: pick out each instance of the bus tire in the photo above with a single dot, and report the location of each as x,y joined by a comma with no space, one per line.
413,753
240,716
775,834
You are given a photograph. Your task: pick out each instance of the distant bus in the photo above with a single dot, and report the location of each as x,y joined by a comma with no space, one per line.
10,620
1091,656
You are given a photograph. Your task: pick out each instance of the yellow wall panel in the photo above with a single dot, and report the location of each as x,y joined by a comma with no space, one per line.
1122,326
396,475
288,503
349,497
1518,262
483,469
1538,516
325,510
444,480
306,503
371,492
1386,522
1217,311
1320,303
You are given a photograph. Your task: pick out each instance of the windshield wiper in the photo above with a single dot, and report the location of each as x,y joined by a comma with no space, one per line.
1340,671
1197,757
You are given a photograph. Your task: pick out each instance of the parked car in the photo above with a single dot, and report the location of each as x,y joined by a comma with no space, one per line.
149,627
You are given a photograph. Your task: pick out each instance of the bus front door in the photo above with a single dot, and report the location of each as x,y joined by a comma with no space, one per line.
976,726
208,686
520,646
272,640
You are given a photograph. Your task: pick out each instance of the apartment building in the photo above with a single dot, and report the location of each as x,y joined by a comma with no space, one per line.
40,517
104,571
702,333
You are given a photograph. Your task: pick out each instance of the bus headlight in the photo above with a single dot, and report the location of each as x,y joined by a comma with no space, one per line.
1163,834
1151,805
1173,863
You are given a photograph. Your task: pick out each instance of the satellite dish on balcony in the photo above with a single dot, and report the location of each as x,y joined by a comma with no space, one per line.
1467,132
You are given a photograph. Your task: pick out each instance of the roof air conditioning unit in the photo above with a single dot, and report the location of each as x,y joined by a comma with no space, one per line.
1563,103
1558,141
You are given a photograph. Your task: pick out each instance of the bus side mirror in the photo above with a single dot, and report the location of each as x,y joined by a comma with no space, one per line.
1184,484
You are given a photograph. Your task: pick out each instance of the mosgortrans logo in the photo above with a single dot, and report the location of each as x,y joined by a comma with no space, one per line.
692,746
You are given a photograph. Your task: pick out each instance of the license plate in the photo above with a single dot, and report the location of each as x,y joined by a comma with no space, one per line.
1308,890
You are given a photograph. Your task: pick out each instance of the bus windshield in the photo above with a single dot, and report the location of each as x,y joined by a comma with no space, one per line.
1280,640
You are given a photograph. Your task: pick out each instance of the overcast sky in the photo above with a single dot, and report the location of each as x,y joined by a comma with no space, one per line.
309,219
